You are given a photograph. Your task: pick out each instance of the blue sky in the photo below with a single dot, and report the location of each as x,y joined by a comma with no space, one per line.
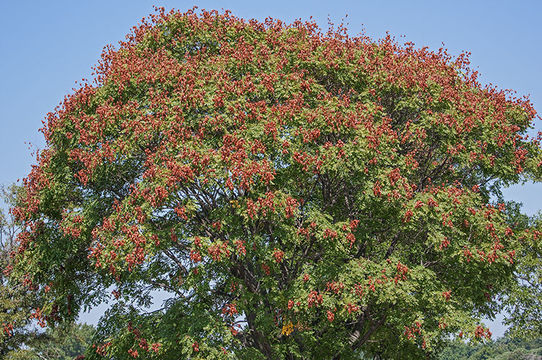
47,45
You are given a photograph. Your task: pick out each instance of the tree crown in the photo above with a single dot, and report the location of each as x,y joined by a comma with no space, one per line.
298,194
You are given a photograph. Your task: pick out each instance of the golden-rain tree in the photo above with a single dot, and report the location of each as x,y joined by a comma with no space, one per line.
298,194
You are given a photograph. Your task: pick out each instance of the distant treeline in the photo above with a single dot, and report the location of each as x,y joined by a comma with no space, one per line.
502,349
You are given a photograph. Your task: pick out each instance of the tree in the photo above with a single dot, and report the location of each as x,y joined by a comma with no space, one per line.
524,300
61,343
504,348
20,339
297,194
16,301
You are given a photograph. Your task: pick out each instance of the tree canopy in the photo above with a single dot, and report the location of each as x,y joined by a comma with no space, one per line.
298,194
16,301
504,348
61,343
19,339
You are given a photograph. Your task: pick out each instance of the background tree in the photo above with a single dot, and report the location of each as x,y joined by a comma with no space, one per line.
20,337
15,300
298,194
523,302
505,348
62,343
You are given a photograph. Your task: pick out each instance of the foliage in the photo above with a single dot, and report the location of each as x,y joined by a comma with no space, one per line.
523,302
502,349
16,301
62,343
20,339
298,195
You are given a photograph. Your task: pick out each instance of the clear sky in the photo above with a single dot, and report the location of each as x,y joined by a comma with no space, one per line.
46,46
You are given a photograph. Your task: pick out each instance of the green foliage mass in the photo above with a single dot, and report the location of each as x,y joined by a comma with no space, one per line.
16,301
65,343
502,349
21,338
